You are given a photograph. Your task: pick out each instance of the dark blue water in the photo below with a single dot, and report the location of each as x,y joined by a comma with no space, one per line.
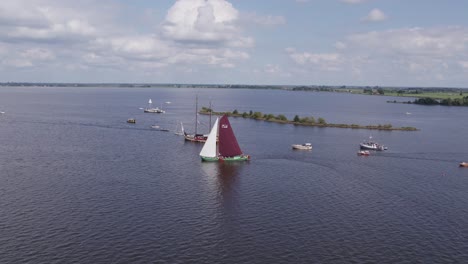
80,185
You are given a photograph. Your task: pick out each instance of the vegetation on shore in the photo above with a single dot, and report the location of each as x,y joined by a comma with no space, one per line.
431,101
303,121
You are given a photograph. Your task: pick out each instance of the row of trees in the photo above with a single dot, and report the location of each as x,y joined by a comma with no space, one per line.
449,102
280,117
309,120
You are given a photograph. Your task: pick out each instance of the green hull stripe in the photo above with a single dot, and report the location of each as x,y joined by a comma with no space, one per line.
209,158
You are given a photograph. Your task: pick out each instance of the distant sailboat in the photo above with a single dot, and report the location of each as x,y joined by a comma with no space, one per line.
151,109
227,149
179,130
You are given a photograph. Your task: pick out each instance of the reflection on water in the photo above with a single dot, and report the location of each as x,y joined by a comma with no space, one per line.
223,179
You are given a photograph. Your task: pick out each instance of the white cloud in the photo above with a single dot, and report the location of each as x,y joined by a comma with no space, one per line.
38,54
340,45
210,21
85,35
272,68
267,20
353,1
323,61
418,56
375,15
433,42
463,64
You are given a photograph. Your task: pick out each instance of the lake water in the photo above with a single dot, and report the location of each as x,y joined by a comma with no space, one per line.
80,185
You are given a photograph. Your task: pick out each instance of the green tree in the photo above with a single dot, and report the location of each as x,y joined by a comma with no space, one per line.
235,112
257,115
322,121
282,117
245,115
296,118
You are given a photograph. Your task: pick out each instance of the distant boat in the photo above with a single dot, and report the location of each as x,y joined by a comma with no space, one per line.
1,113
155,126
363,153
227,149
464,164
305,146
371,145
408,113
151,109
131,120
168,102
179,130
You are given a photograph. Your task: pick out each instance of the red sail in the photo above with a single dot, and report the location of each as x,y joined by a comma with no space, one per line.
228,146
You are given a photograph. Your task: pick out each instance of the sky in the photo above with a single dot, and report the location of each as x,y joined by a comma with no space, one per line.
417,43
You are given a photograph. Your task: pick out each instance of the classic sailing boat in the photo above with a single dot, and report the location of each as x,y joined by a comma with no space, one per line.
151,109
196,137
227,149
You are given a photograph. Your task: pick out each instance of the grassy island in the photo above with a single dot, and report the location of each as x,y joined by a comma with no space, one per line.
304,121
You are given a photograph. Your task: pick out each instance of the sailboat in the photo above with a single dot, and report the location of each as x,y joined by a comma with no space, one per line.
227,149
179,132
151,109
196,137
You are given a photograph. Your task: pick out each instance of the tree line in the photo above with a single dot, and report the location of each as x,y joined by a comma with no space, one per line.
448,102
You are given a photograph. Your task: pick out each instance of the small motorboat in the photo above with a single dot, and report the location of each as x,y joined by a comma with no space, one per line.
155,126
131,120
363,153
305,146
464,164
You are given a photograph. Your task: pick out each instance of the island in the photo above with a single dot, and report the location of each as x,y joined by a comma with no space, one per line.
298,121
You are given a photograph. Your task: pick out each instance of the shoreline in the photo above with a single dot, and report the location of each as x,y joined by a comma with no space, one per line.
386,127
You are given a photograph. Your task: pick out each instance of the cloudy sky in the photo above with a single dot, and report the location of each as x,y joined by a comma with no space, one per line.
329,42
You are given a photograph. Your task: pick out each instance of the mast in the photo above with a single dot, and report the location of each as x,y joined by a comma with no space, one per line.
211,110
196,113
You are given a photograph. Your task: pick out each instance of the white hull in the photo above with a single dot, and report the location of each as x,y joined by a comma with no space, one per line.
154,110
302,146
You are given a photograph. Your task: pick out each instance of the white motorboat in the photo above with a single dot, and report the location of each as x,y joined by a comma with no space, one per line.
151,109
305,146
371,145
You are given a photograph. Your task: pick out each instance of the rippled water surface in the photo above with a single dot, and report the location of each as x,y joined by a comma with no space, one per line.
80,185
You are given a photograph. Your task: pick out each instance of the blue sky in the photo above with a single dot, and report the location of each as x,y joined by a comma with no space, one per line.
299,42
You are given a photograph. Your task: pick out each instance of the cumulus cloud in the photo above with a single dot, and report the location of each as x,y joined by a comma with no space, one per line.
209,21
86,35
375,15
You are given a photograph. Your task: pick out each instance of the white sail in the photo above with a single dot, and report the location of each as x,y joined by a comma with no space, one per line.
209,149
150,102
